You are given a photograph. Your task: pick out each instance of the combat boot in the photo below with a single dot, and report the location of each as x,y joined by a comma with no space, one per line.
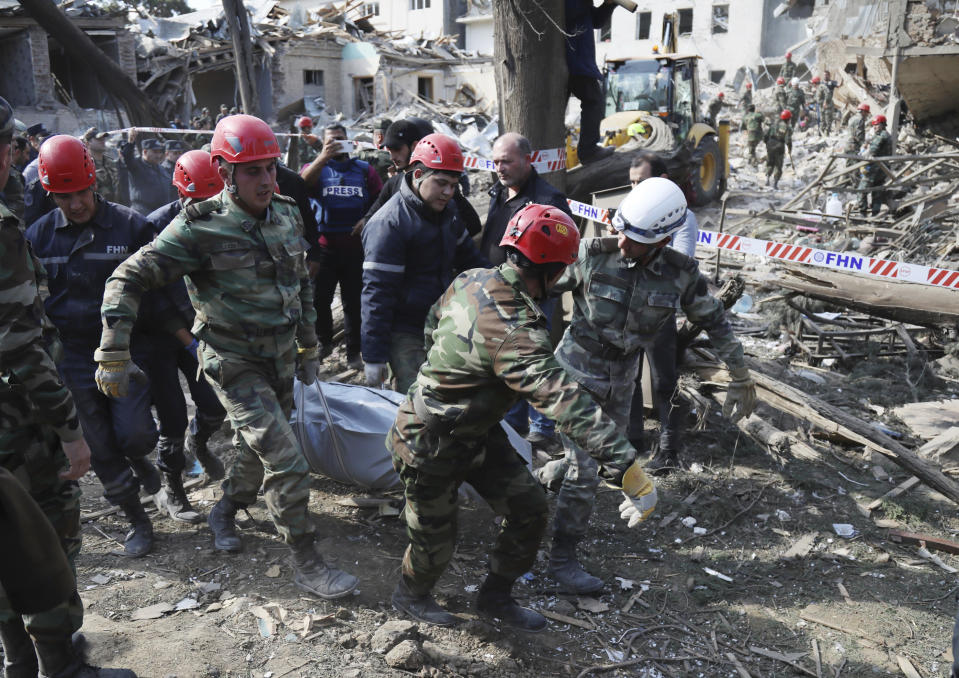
19,657
222,521
422,608
139,540
174,501
566,569
494,602
315,576
147,473
550,444
665,461
196,444
59,659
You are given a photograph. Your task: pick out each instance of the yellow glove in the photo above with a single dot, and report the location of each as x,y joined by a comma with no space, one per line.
640,495
740,394
114,372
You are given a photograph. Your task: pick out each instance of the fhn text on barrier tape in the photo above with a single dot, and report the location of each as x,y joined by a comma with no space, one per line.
802,254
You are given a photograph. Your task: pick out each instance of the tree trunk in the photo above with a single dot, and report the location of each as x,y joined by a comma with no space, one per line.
530,57
239,22
139,107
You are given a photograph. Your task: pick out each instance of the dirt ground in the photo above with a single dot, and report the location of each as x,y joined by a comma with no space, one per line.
725,603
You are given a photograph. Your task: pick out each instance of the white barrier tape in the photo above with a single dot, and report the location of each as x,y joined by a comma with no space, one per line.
802,254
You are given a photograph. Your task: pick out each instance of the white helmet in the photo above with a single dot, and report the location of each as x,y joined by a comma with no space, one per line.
653,210
794,81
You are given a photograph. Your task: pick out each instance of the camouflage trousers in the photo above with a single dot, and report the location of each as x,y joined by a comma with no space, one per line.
871,179
774,162
577,473
828,116
751,144
32,453
501,478
257,393
407,353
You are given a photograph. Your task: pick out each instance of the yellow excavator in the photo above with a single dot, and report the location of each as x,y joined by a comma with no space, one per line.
653,101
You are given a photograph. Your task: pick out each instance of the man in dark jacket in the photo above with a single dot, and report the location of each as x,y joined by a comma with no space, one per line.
150,185
400,140
413,248
584,76
519,185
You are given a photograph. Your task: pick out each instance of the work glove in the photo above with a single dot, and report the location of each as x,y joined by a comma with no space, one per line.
307,364
640,495
740,395
376,374
115,371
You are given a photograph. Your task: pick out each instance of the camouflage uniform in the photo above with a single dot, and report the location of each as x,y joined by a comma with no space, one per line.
778,137
108,178
715,106
872,175
488,346
36,413
779,94
788,70
857,133
753,122
619,306
248,282
13,192
827,109
746,99
795,103
380,160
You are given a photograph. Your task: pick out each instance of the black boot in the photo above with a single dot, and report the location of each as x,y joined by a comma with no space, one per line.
495,602
315,576
19,657
421,608
222,521
147,473
567,571
175,502
59,659
139,541
201,429
665,461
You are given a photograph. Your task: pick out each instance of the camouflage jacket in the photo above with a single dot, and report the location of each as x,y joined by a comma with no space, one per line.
108,178
778,135
620,305
824,94
881,144
488,346
246,277
788,70
857,129
13,192
715,105
779,94
30,389
746,99
753,122
795,99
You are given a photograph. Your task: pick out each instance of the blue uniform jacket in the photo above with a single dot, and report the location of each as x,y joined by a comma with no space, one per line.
582,17
151,186
411,256
173,307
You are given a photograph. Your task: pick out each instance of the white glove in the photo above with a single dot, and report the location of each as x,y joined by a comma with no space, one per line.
376,374
640,494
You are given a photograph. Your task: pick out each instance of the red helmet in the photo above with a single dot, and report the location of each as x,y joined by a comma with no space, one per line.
879,120
816,80
65,165
196,177
721,95
749,85
543,234
304,121
780,80
789,55
785,115
243,138
438,151
864,107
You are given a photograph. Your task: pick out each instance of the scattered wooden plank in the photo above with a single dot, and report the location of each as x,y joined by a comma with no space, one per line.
906,667
943,445
801,547
844,593
785,659
935,560
818,657
555,616
899,489
743,673
836,626
934,543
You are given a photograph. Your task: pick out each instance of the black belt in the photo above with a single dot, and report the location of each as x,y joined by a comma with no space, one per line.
605,351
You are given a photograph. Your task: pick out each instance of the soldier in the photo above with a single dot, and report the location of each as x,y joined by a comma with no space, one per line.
746,100
224,111
795,102
753,122
108,179
779,93
625,291
150,186
42,446
379,157
872,175
204,121
715,106
856,128
778,138
412,249
196,180
824,100
789,68
243,255
14,188
303,149
488,347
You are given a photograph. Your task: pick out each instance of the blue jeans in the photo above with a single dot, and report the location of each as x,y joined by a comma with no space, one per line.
521,412
116,429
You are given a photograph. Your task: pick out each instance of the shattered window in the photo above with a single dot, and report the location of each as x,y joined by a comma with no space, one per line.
419,4
720,19
371,8
643,21
686,21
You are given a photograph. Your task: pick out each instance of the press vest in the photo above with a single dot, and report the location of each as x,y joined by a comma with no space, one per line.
343,195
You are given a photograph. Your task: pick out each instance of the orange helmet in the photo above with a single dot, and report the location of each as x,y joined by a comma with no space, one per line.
721,95
243,138
65,166
544,234
438,151
195,176
785,115
789,55
780,80
816,80
304,121
749,85
864,107
879,120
